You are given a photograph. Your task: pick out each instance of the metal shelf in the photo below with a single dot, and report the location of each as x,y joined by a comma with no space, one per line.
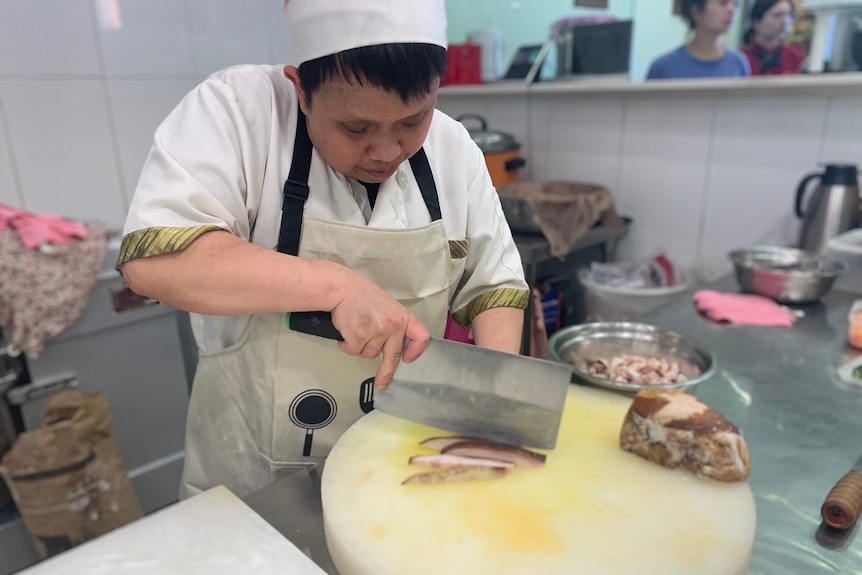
534,249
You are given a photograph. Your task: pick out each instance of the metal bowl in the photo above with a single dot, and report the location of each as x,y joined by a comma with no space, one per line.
579,344
787,275
519,215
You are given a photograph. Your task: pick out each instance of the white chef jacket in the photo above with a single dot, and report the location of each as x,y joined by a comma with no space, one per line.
220,160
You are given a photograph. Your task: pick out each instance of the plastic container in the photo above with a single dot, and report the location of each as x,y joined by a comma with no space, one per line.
851,372
854,332
608,303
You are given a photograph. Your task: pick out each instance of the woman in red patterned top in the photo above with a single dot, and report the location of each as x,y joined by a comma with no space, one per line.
764,42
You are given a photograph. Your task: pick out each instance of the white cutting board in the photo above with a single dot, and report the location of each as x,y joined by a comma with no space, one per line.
213,533
593,508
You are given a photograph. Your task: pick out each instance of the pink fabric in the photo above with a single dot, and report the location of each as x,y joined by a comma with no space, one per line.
538,334
455,332
36,229
742,309
538,331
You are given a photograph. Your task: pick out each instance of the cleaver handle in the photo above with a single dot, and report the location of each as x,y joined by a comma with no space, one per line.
842,505
317,323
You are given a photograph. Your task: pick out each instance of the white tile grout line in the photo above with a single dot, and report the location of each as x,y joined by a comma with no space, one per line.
13,162
624,109
270,38
824,130
704,194
190,32
530,135
109,112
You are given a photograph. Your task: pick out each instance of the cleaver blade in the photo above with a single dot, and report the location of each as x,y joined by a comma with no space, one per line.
480,392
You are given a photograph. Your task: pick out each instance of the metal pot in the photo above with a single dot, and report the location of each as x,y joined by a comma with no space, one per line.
579,344
787,275
519,215
502,151
833,208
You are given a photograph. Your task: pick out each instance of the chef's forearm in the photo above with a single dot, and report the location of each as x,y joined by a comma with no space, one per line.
221,274
499,328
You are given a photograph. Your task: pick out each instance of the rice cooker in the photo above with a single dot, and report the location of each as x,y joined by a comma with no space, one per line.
502,151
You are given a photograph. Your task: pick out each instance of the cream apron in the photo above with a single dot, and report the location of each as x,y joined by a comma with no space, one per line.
278,399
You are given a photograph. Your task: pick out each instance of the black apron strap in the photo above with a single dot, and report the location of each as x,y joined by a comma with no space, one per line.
295,191
422,171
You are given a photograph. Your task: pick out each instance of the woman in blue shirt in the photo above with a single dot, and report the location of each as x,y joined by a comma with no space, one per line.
705,56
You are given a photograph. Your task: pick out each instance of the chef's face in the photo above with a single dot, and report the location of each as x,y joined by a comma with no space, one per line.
775,23
364,132
716,16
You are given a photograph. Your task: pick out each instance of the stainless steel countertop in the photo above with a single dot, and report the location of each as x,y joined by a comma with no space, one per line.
802,424
292,505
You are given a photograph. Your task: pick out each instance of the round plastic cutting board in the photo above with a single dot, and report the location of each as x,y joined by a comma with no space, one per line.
592,509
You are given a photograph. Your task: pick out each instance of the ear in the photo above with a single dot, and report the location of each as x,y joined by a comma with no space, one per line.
292,74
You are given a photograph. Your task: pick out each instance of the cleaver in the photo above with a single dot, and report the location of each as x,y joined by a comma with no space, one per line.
469,390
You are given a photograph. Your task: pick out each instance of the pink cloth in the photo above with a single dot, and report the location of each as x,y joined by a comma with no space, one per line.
455,332
742,309
538,330
36,229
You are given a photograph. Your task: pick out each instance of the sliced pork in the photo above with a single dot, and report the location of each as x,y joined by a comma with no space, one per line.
449,461
637,369
455,474
489,450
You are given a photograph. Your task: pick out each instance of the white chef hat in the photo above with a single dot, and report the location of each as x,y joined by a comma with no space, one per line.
319,28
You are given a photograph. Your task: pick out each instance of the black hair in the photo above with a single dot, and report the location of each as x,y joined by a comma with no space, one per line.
758,11
685,7
408,70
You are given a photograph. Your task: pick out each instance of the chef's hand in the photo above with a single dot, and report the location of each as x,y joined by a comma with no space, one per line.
373,323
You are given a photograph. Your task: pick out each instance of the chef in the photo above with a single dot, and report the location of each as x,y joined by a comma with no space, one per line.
336,187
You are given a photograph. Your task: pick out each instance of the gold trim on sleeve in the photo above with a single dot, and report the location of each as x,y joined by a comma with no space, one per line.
458,248
160,240
503,297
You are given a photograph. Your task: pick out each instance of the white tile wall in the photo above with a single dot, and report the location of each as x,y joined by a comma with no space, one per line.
77,152
226,33
47,37
664,158
63,149
699,176
509,118
455,106
842,142
139,106
280,50
577,142
762,148
508,113
9,192
152,37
